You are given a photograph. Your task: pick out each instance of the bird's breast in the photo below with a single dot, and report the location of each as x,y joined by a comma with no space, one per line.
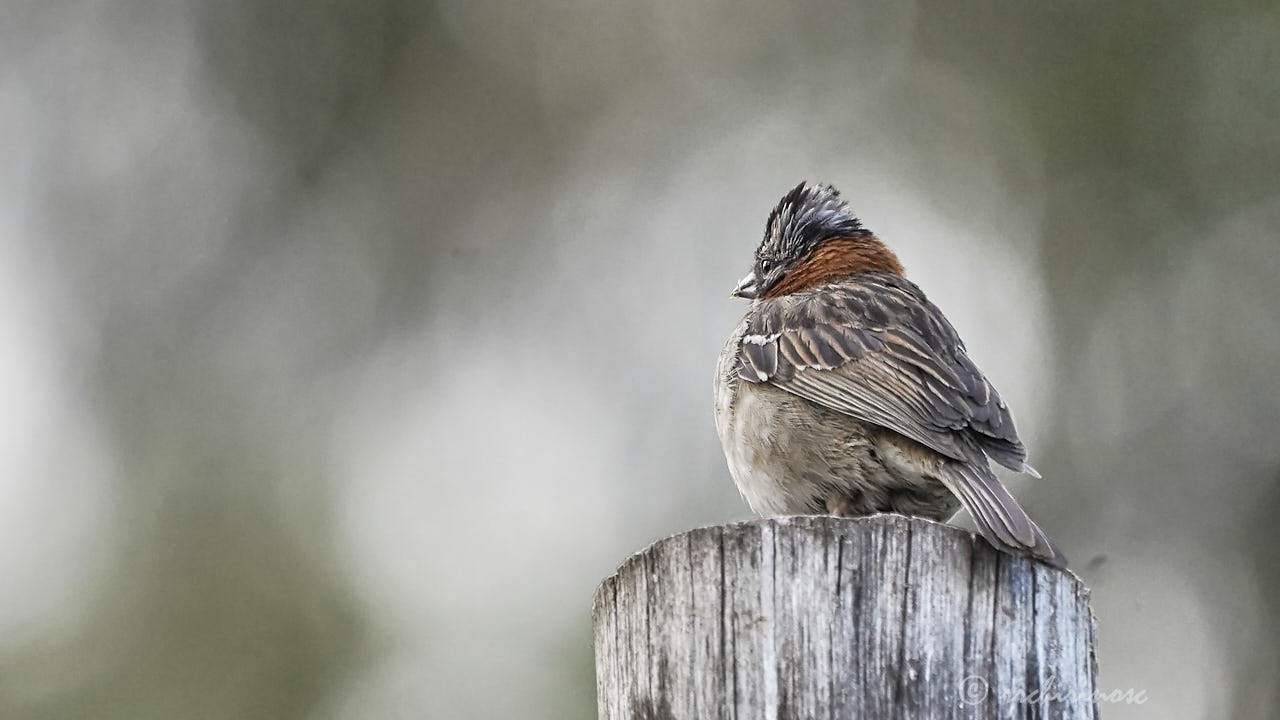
779,447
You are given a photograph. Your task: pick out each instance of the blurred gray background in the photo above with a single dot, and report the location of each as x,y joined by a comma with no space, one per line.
347,345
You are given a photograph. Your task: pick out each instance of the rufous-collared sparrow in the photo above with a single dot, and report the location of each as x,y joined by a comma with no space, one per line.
845,391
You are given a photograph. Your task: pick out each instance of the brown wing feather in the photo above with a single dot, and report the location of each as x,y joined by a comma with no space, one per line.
875,348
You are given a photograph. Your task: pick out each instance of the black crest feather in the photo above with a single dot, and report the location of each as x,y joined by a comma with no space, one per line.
806,216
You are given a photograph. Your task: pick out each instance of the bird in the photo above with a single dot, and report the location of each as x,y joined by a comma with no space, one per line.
844,391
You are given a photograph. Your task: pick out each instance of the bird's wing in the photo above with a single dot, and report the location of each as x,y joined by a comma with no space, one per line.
876,349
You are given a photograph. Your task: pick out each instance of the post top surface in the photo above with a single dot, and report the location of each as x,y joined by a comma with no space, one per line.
887,525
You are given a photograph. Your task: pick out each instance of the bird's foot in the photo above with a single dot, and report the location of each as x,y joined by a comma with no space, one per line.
840,505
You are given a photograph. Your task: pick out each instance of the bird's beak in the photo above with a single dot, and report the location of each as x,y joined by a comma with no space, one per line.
747,288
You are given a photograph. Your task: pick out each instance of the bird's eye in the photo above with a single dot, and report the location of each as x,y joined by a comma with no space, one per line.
765,265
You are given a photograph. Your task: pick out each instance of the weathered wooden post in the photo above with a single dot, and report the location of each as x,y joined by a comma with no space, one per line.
819,617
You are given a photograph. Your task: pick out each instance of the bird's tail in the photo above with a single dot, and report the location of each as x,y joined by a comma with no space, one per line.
999,517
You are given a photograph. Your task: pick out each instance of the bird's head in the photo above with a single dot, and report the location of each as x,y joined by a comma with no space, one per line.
812,237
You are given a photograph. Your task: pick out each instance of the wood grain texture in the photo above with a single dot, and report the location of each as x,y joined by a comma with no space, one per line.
820,617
